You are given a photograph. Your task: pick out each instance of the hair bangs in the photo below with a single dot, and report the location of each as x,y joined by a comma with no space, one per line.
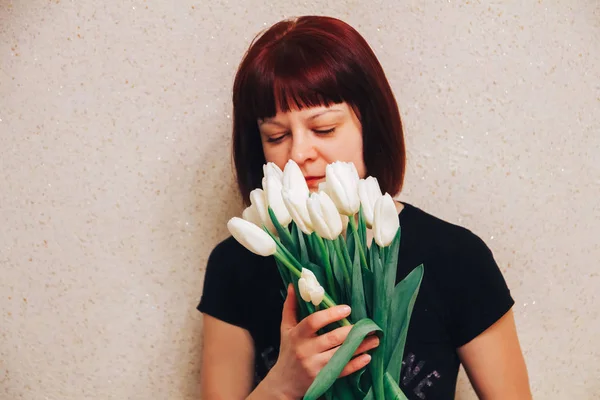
290,81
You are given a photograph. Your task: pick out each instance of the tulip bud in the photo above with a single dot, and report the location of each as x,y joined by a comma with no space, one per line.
296,205
272,190
322,187
368,192
295,194
271,169
252,237
342,185
251,215
385,220
294,179
259,201
309,287
324,216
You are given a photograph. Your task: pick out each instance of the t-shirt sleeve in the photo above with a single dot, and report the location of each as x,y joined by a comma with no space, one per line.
479,295
223,294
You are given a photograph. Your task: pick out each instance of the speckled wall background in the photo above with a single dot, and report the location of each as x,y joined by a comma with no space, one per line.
115,179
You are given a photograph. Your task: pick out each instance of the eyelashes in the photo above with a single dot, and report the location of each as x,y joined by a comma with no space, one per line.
324,132
278,139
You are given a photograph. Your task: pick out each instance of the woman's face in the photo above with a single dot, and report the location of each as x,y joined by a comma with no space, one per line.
313,137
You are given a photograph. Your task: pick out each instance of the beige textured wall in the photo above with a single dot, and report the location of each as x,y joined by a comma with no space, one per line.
115,180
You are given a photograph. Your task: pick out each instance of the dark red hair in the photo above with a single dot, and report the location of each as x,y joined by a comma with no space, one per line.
315,61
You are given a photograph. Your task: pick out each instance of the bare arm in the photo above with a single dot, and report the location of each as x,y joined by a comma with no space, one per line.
227,367
495,364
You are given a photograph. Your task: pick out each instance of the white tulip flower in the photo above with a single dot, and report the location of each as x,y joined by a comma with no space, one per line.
272,191
271,169
385,220
259,201
368,192
309,287
252,237
295,194
324,216
322,187
250,214
293,179
342,185
296,205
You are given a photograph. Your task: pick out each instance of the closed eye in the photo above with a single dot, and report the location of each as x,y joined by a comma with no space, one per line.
324,132
276,139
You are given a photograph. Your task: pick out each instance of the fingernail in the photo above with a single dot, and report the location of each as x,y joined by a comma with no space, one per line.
367,358
345,310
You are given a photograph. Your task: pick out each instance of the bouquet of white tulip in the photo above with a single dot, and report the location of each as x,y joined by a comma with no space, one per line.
319,241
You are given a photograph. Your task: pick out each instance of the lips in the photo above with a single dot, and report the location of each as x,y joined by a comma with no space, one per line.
313,181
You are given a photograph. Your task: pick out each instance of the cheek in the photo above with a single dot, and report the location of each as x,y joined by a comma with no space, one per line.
275,155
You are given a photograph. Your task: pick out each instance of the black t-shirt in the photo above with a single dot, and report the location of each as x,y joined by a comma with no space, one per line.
462,293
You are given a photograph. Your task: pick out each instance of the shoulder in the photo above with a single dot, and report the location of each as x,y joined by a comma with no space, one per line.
231,258
437,236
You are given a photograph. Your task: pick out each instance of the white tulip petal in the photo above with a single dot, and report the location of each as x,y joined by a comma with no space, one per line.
275,201
322,187
293,179
302,288
317,295
296,205
342,186
308,274
324,216
251,237
385,222
251,215
271,169
259,201
368,192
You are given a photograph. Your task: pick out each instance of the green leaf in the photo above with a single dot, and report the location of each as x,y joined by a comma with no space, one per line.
302,249
368,286
287,278
390,270
342,389
319,273
314,253
294,232
348,268
359,306
332,370
362,228
380,313
350,243
338,272
401,307
392,389
324,260
357,382
284,233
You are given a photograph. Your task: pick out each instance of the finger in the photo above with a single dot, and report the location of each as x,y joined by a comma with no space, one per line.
368,344
320,319
289,317
329,340
355,364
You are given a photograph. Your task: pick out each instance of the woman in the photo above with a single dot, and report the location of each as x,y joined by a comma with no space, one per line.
312,90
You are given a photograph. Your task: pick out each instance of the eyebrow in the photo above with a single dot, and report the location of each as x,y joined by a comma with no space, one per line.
312,117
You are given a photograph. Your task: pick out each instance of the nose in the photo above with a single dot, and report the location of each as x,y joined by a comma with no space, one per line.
303,148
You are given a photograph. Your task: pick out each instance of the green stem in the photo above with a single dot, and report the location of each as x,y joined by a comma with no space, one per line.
340,255
288,261
328,268
363,259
